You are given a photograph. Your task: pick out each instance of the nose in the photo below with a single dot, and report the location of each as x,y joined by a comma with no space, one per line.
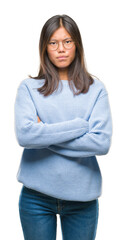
61,47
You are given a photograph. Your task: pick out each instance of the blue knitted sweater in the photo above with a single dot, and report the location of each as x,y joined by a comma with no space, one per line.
59,153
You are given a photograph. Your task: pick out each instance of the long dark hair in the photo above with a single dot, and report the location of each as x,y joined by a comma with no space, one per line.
77,71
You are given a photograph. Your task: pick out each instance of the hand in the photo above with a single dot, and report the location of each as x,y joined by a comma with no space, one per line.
38,119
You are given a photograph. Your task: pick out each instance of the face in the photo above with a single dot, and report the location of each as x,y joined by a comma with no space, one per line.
61,57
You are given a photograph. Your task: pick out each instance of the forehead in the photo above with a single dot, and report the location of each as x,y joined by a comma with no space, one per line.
60,33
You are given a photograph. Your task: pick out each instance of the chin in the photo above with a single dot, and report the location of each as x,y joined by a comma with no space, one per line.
63,65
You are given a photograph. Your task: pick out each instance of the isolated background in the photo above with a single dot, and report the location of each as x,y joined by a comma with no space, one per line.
103,29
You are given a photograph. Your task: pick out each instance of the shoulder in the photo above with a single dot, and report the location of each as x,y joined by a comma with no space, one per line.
98,87
31,83
99,84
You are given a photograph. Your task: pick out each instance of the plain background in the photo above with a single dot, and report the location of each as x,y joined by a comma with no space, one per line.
103,29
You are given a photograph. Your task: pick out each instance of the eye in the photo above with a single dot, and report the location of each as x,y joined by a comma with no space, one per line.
52,43
68,41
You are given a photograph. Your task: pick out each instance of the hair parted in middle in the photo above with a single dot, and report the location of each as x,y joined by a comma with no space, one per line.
77,71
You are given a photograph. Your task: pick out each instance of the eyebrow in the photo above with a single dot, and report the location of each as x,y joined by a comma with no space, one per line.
57,40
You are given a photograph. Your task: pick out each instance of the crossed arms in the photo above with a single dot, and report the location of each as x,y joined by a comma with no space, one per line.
73,138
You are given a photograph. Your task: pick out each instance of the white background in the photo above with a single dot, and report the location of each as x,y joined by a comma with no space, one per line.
103,29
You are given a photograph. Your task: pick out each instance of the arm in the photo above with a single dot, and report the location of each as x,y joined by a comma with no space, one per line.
95,142
31,134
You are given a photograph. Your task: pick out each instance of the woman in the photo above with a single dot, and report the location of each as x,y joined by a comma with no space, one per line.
62,130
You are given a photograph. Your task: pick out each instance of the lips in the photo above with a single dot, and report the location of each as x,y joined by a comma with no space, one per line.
62,57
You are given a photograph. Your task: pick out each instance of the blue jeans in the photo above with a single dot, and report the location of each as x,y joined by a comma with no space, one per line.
39,221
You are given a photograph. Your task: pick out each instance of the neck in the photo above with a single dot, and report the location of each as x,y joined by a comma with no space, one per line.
63,74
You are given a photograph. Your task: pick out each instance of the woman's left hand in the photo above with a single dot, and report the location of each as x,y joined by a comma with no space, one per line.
38,119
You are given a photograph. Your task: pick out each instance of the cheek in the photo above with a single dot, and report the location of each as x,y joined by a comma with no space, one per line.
72,54
51,56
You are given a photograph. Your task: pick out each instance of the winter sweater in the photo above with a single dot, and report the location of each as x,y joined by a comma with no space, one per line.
59,155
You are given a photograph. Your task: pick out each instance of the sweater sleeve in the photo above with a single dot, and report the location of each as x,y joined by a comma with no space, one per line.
31,134
95,142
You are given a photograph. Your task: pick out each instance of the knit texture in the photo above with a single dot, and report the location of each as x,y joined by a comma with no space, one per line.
59,153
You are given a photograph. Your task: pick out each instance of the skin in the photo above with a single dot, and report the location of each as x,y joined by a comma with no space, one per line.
38,119
60,34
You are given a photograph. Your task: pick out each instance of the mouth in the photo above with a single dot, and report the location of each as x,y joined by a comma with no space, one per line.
61,57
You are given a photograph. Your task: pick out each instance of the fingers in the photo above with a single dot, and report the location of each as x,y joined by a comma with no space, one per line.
38,119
